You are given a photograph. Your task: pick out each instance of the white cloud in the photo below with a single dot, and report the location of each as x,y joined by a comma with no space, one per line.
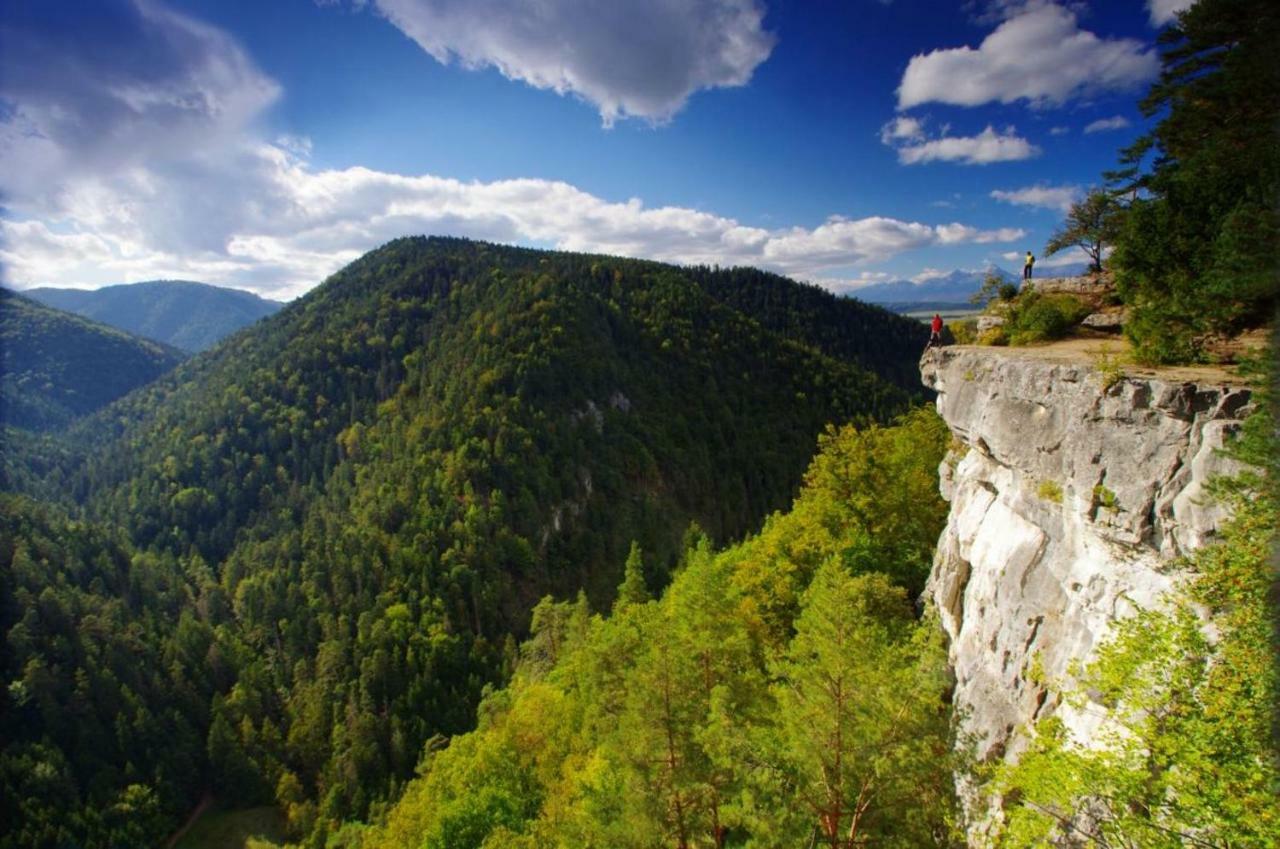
927,274
1059,131
131,154
1039,55
628,58
986,147
952,234
1163,11
264,219
1070,256
848,285
139,85
1057,198
1102,125
902,128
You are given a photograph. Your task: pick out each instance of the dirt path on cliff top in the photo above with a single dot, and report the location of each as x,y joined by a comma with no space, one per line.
1092,350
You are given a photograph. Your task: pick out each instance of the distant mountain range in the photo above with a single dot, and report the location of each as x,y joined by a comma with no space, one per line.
56,367
952,289
187,315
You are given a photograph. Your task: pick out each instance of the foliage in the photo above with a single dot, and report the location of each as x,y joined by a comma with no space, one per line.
994,287
715,716
1049,491
56,367
844,328
861,730
1091,224
633,589
1104,497
1110,368
1042,318
964,331
371,489
108,668
1185,753
1199,246
993,336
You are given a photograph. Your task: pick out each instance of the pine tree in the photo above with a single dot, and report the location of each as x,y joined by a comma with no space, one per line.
633,589
1200,242
860,739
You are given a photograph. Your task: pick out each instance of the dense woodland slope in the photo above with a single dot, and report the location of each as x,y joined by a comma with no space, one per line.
782,692
186,315
56,367
362,498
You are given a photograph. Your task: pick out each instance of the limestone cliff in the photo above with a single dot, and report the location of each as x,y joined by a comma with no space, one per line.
1070,501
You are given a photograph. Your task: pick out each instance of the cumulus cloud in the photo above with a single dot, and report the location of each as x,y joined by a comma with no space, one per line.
1057,198
1102,125
628,58
271,222
1039,55
1069,257
132,155
1163,11
850,285
902,128
139,84
986,147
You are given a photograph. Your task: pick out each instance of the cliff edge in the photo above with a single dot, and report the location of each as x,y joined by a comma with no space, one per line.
1072,495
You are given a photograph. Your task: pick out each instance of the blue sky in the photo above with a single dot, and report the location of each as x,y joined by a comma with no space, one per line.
265,144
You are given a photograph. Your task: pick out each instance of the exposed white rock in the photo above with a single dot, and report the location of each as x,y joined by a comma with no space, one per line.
1070,502
1109,321
989,322
1087,287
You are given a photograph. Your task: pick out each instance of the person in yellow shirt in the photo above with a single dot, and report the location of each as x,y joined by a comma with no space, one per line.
1026,268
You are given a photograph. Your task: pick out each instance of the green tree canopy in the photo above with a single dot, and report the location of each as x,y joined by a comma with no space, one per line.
1091,224
1199,246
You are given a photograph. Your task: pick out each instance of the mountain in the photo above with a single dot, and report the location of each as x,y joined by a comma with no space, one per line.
56,367
954,289
186,315
367,493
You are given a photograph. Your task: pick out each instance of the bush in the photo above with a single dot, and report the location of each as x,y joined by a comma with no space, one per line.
993,336
964,332
1042,318
1050,491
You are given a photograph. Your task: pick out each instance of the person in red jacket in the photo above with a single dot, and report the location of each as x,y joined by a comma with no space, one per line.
935,338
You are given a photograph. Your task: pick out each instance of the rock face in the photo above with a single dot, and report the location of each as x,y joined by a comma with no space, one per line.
1070,502
1089,288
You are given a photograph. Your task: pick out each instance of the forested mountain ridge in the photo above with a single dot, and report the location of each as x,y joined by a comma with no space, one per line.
844,328
182,313
56,367
366,493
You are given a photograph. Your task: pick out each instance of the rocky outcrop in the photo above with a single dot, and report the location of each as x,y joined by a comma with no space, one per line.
1071,499
1092,289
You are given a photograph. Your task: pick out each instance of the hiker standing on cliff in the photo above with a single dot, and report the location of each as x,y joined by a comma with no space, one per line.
1026,268
935,338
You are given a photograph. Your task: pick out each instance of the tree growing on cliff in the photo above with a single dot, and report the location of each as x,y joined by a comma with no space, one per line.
859,751
1091,223
1200,243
